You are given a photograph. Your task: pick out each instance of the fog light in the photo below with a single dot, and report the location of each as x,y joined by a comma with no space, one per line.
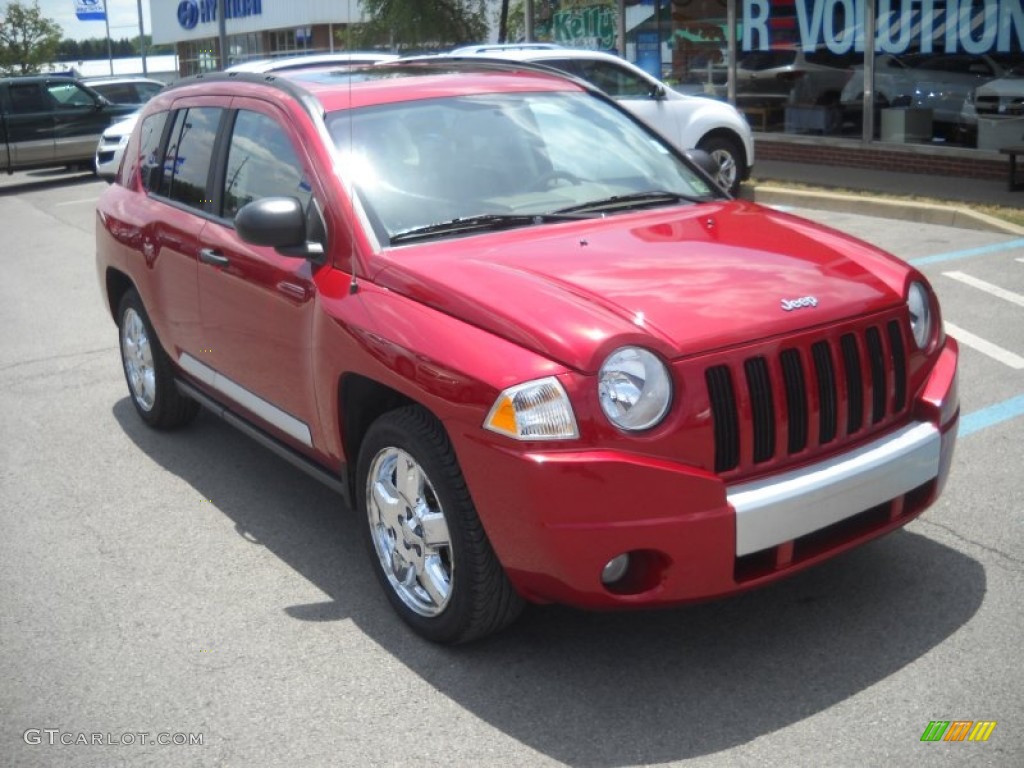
615,569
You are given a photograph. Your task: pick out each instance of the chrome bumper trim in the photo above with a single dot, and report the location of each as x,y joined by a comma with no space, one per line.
784,507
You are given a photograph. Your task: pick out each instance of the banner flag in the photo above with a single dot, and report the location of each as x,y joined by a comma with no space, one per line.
90,10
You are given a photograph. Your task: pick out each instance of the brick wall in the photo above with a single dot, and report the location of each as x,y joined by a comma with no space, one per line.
982,166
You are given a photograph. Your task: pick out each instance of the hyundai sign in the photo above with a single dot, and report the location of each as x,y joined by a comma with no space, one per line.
194,12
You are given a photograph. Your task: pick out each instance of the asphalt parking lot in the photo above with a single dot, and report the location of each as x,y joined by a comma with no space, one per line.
192,587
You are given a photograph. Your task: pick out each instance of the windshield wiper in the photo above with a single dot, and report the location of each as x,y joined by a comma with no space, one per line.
634,200
483,223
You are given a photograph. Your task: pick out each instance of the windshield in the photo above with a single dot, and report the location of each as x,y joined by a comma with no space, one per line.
516,159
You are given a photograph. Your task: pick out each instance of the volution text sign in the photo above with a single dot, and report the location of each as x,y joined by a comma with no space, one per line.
970,26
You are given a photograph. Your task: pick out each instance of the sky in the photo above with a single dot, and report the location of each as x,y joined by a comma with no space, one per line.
123,15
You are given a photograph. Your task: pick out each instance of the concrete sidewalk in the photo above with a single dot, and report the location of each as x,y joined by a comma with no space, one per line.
862,189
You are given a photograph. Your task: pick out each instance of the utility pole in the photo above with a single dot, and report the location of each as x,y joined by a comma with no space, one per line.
142,39
110,47
222,33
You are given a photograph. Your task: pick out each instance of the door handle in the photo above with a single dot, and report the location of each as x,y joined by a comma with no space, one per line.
214,257
293,290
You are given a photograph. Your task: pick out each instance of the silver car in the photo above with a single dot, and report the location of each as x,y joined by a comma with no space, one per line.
1003,97
125,90
940,82
285,63
111,147
790,75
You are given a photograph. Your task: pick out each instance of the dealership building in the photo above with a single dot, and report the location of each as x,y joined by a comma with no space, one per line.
941,90
254,28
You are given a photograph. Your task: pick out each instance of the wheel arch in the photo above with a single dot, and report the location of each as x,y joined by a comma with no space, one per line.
361,401
117,284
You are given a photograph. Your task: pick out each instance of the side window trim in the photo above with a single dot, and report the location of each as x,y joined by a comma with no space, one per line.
207,211
219,161
316,223
317,228
160,160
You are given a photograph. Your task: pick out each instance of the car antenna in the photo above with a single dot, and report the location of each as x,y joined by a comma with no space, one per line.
353,285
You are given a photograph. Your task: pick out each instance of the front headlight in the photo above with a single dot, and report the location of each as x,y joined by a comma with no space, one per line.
634,388
920,314
536,410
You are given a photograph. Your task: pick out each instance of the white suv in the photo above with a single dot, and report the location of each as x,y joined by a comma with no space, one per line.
306,61
686,121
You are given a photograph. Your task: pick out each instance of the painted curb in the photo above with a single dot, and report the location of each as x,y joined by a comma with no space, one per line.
907,210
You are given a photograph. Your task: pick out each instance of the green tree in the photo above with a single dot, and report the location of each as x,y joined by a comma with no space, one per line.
151,49
96,48
67,50
405,24
27,38
515,23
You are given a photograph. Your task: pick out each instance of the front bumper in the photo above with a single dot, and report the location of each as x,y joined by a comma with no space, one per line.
785,507
556,519
108,157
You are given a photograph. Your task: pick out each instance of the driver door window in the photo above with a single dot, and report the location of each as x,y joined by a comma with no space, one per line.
261,163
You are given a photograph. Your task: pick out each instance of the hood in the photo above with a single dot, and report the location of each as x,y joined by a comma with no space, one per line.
1010,86
680,281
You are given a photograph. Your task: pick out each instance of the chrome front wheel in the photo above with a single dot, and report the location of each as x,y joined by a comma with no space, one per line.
409,532
731,164
429,549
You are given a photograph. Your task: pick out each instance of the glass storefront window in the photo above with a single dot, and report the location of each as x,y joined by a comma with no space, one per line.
198,56
946,72
296,40
244,47
801,66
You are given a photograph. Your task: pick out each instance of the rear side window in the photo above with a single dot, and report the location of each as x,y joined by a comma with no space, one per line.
614,80
261,163
127,93
149,149
146,91
188,157
27,98
119,93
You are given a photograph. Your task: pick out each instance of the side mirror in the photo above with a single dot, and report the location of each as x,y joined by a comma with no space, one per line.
658,92
280,223
704,162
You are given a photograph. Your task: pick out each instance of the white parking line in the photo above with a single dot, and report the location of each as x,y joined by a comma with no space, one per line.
75,202
968,339
1021,260
989,288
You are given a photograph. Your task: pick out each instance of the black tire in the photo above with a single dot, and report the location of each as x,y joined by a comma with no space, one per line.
449,590
147,369
731,161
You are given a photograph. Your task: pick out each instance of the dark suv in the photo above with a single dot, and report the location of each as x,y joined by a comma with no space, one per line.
51,121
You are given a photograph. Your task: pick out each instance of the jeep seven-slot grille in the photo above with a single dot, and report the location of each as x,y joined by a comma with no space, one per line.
808,395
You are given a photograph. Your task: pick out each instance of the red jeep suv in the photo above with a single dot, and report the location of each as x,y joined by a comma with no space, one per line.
532,343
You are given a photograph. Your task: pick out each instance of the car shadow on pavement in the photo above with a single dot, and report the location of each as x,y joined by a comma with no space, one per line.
605,689
42,180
